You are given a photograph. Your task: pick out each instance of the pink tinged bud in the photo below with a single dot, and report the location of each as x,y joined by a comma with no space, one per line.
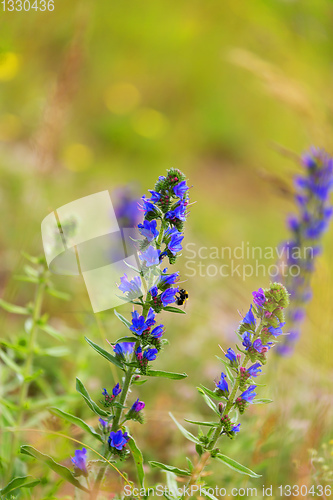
264,349
221,407
268,314
238,356
242,370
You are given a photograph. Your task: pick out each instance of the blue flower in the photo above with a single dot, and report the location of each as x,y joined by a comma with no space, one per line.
174,244
157,332
153,291
150,354
80,461
118,439
180,189
277,330
138,325
150,256
169,279
148,229
235,428
249,318
150,320
231,356
138,406
168,296
155,196
259,297
132,288
246,340
257,344
103,423
254,370
116,390
147,206
222,385
124,348
249,394
178,213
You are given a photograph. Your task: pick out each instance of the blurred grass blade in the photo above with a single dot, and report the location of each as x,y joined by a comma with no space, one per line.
76,421
58,468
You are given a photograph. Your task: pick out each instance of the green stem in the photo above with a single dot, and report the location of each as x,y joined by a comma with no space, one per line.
204,459
27,368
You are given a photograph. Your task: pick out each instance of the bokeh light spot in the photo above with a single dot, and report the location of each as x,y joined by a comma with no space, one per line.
77,157
9,65
122,98
149,123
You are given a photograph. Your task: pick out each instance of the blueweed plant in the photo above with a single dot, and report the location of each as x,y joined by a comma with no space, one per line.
312,197
152,290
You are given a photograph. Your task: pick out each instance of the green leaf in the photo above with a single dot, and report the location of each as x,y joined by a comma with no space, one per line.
208,401
210,393
9,362
59,469
170,468
207,424
138,459
171,375
57,294
262,401
130,266
124,339
12,308
125,321
77,421
208,495
185,433
19,482
229,462
31,258
52,331
92,405
56,351
174,310
105,353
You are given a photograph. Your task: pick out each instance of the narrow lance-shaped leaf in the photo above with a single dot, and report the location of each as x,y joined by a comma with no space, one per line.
171,375
122,319
170,468
105,353
138,459
232,464
12,308
185,433
58,468
19,482
174,310
76,421
208,401
92,405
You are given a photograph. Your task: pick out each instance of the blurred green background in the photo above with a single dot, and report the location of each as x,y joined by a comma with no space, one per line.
97,95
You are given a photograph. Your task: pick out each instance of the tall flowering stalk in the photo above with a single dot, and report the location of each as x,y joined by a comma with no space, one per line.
236,388
307,227
152,291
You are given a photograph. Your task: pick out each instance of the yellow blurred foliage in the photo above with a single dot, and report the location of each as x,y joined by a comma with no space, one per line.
77,157
149,123
9,66
10,127
122,98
